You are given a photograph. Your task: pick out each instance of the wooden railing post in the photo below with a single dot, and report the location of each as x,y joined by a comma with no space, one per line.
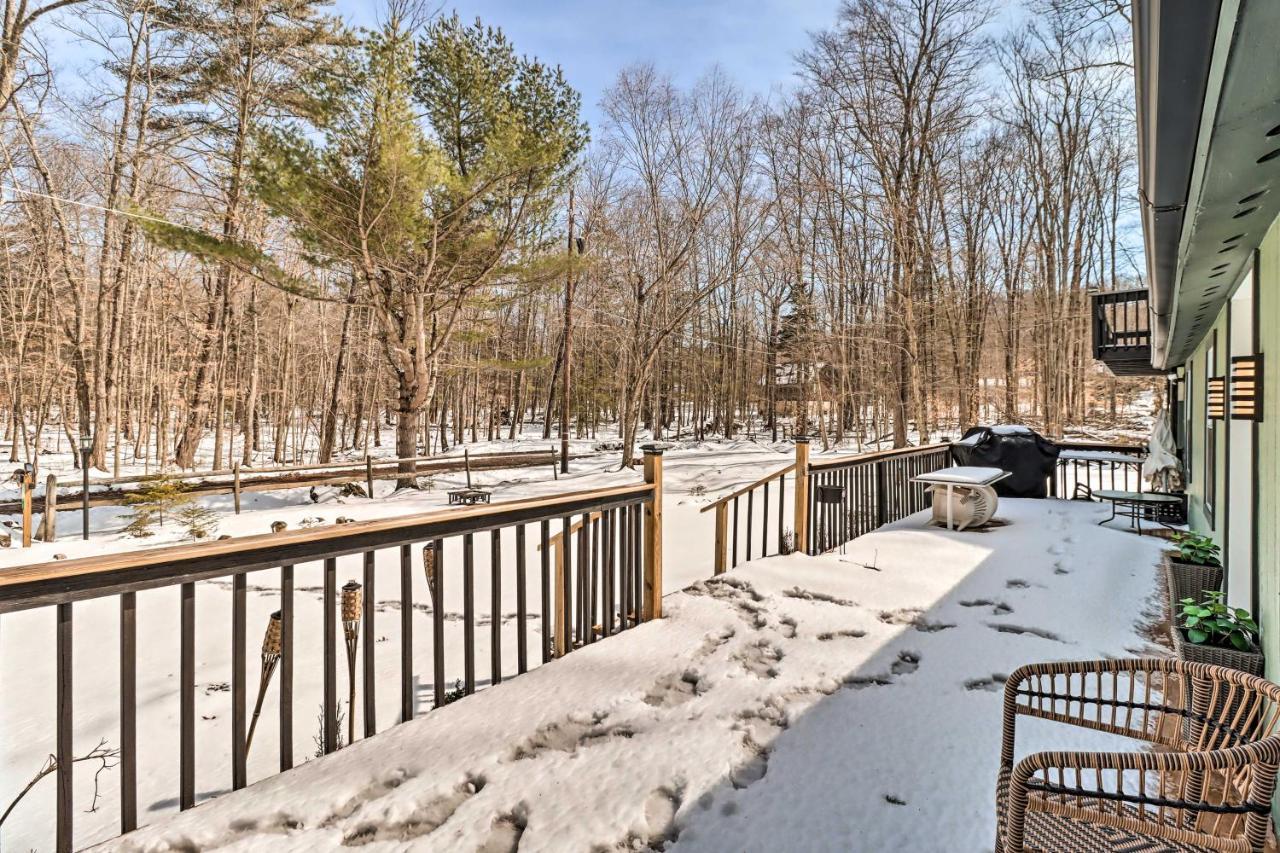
722,535
801,533
562,626
653,533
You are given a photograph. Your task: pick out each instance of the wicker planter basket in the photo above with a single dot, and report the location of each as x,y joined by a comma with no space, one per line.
1250,661
1189,580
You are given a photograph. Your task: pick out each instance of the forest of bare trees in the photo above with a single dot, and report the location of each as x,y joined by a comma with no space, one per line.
255,235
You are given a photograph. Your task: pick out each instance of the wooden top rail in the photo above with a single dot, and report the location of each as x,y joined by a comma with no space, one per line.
740,492
350,464
1106,446
35,585
877,455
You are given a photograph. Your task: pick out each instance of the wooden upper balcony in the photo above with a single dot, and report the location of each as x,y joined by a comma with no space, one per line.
1121,322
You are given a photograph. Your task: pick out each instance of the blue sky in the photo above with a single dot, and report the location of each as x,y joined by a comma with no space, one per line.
753,40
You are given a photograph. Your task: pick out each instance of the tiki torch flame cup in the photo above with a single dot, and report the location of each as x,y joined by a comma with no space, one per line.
271,640
351,598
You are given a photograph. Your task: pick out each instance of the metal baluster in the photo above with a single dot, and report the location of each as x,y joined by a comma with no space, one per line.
548,618
406,633
370,643
606,570
128,712
286,668
751,495
565,616
187,699
239,775
735,533
764,524
65,756
593,593
468,615
782,510
495,607
331,655
437,623
625,517
522,637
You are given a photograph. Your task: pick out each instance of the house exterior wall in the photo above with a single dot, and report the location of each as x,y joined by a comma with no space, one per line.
1267,477
1268,451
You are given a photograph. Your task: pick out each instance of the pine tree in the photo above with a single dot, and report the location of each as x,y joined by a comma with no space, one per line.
149,504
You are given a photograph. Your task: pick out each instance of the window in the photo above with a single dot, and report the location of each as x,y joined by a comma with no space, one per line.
1210,433
1188,410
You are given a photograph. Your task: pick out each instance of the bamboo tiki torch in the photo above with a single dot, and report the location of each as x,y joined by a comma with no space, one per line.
351,595
270,658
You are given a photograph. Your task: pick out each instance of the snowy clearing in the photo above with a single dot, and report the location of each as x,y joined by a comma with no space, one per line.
843,702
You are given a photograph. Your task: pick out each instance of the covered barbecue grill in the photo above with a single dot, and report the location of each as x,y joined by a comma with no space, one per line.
1028,457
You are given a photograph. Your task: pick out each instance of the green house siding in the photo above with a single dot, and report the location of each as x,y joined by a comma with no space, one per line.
1268,451
1214,523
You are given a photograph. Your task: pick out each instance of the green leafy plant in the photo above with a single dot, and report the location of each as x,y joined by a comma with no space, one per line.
1212,623
1197,548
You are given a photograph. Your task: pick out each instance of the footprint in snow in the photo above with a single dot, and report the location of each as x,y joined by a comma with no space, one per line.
1022,629
998,608
507,830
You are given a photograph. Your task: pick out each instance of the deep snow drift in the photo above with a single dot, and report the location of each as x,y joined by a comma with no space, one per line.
843,702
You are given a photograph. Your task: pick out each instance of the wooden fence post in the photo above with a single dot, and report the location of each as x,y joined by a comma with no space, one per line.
368,473
652,534
235,485
802,495
28,481
722,535
49,521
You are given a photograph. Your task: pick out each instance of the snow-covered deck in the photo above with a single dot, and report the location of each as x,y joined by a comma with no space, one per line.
843,702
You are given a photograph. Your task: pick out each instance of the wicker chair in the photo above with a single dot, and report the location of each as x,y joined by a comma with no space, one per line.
1206,786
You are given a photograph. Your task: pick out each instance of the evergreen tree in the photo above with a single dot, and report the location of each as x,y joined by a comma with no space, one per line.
155,498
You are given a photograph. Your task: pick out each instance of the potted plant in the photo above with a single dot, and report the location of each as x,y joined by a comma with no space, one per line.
1209,631
1194,568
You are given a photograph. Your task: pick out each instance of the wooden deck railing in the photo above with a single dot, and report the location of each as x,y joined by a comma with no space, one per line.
611,581
726,544
855,495
832,500
847,496
1098,465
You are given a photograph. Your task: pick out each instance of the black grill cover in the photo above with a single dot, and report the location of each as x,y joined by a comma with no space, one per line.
1028,456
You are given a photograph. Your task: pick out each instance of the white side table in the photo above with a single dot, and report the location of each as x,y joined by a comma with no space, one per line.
965,477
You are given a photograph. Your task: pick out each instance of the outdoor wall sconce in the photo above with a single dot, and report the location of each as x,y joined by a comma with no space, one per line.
1217,397
1246,387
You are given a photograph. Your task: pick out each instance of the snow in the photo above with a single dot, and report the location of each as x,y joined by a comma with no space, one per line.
844,702
1010,429
964,474
1099,456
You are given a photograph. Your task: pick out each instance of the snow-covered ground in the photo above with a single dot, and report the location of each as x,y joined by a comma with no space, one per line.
843,702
